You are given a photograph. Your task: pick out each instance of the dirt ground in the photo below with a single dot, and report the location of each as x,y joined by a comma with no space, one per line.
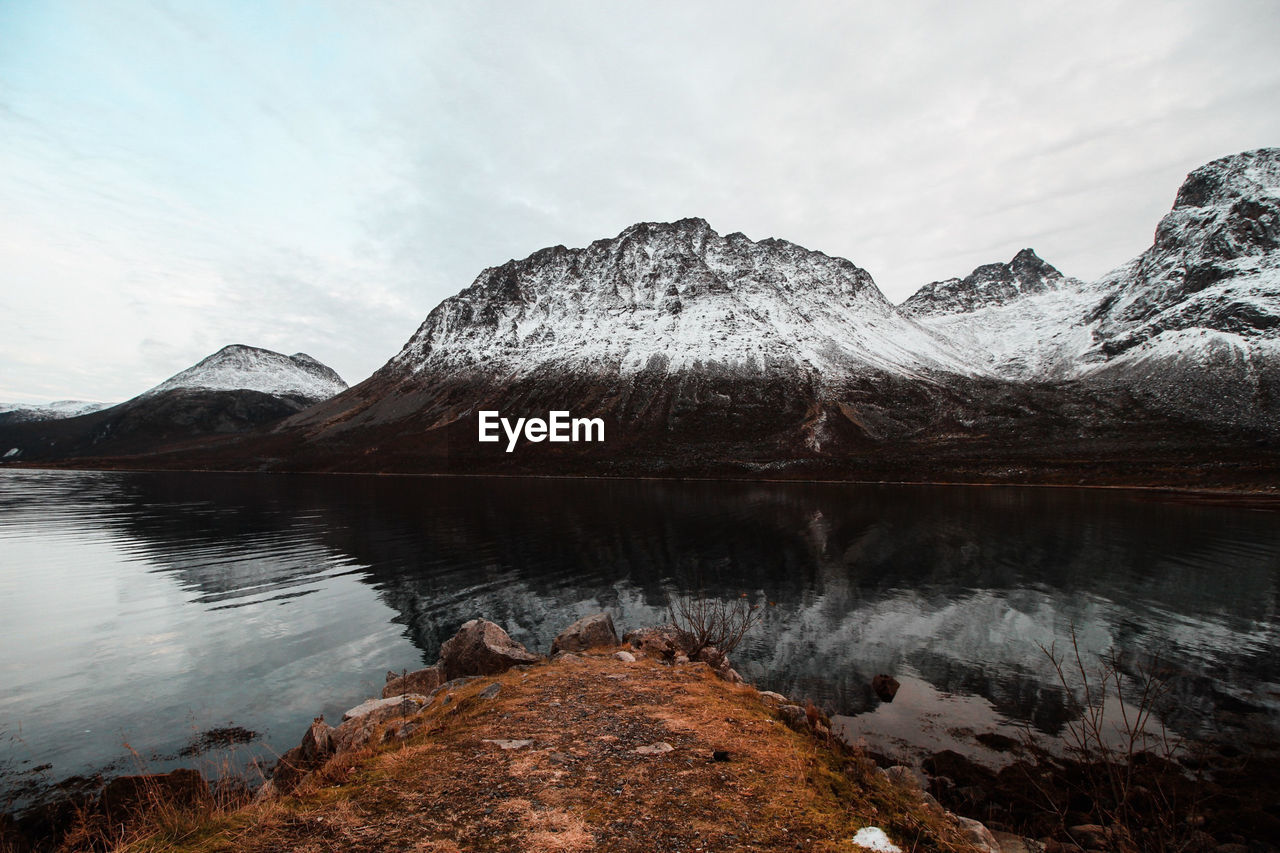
573,756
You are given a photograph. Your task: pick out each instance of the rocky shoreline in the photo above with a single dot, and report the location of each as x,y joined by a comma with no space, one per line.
481,670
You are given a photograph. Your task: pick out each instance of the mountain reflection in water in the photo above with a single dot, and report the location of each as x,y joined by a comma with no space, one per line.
144,607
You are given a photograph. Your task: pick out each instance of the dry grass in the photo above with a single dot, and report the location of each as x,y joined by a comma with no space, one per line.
580,785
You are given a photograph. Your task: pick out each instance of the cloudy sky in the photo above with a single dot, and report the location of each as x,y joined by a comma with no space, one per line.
175,176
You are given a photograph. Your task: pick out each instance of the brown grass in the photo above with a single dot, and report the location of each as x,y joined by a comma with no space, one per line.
580,786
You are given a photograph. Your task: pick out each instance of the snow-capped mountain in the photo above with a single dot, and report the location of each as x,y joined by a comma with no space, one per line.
57,410
237,389
1191,325
673,297
1214,264
244,368
1023,320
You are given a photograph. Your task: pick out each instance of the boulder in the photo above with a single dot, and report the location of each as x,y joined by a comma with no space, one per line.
126,795
711,656
317,743
977,834
625,657
906,776
589,632
392,706
885,687
421,681
314,750
794,716
481,648
364,722
771,698
1090,836
661,642
1011,843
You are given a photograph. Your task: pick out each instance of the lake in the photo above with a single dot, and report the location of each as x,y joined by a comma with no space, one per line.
138,610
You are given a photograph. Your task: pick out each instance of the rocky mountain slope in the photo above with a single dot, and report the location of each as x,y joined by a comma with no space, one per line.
1022,320
12,413
237,389
675,297
1190,327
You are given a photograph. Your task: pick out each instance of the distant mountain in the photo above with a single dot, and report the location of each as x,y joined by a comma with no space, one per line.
237,389
697,351
710,355
12,413
987,286
243,368
1022,320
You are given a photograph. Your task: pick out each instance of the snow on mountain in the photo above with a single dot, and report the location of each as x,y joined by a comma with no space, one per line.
1022,320
1203,300
1214,264
676,297
244,368
22,412
988,285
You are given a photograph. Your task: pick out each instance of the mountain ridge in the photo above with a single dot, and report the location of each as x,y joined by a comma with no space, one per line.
719,355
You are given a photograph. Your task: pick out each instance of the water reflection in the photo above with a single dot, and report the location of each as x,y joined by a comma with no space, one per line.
267,598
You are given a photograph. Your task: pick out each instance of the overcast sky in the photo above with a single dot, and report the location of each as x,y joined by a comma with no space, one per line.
318,176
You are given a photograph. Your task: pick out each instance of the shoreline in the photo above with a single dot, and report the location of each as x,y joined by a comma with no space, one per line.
558,703
1257,498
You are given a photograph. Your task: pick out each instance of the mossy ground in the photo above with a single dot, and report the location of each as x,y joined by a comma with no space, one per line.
580,785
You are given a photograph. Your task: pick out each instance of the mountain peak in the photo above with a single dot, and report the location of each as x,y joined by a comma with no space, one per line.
989,284
238,367
1226,179
674,295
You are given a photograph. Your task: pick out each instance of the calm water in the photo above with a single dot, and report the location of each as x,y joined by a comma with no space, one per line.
142,609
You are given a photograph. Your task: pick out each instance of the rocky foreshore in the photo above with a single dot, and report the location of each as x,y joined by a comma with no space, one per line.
643,744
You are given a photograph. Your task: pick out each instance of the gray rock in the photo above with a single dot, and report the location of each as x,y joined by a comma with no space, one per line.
662,642
904,775
409,703
505,744
491,692
448,686
317,745
977,834
658,748
625,657
589,632
482,648
421,681
771,698
406,730
1011,843
794,716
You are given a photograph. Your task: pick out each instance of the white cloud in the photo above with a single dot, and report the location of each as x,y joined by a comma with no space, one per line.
317,177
